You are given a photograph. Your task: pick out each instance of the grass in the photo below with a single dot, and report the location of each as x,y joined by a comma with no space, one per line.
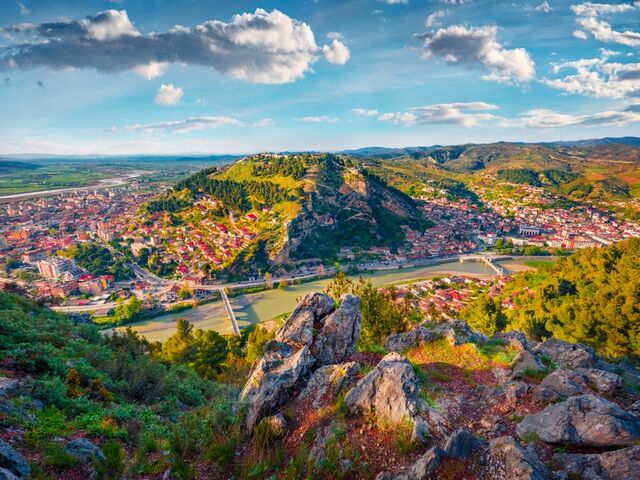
530,437
539,263
56,456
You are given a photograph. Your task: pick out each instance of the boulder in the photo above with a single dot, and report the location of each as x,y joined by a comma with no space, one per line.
587,420
567,355
601,380
459,333
8,386
329,380
634,408
390,391
515,391
10,459
427,464
564,383
621,464
518,462
274,378
7,475
339,332
525,364
517,340
462,444
544,395
401,342
84,450
298,329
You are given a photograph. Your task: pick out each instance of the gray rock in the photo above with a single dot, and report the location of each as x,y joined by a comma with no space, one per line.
329,380
84,450
7,475
541,395
586,420
8,386
390,391
514,391
567,355
519,463
564,382
459,333
273,379
298,329
339,333
517,340
634,408
526,363
462,444
401,342
502,375
10,459
426,465
621,464
601,380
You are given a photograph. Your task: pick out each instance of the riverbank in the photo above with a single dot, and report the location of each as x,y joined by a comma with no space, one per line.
261,306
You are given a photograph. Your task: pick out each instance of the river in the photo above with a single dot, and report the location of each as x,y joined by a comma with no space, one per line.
262,306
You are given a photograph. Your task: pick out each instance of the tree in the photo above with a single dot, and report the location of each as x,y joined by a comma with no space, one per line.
211,351
180,347
284,283
128,311
485,314
268,281
185,292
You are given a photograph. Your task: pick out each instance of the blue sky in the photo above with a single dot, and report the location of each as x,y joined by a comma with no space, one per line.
187,76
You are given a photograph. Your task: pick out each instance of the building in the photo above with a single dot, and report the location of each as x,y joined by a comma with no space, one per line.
53,267
528,230
34,256
92,286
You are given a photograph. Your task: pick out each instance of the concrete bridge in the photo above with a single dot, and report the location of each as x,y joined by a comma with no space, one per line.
487,260
230,313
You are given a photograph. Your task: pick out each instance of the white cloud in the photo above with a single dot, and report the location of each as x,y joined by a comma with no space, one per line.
456,2
187,125
433,20
597,77
363,112
395,2
336,52
151,70
542,118
168,95
589,17
544,7
24,10
462,45
259,47
318,119
443,113
580,34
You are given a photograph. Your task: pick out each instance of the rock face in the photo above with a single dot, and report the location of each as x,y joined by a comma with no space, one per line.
329,380
339,332
525,364
621,464
567,355
586,420
7,475
519,463
84,450
315,334
11,460
390,391
8,385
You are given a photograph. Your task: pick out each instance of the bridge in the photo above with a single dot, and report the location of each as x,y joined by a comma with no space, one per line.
487,260
230,313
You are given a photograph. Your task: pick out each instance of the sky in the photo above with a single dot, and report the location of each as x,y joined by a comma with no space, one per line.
204,77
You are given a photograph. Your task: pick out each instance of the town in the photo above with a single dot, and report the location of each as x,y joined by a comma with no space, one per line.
90,250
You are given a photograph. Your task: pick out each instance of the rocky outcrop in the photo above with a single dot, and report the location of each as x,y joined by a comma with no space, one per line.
515,391
587,420
84,450
526,363
315,334
7,475
517,340
8,386
461,444
567,355
621,464
274,378
298,329
329,380
601,380
390,391
518,462
456,332
339,332
401,342
565,383
11,460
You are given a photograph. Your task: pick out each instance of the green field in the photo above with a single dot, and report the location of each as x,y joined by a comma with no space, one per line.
49,177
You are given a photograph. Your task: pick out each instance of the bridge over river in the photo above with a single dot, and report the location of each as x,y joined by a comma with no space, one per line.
487,260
